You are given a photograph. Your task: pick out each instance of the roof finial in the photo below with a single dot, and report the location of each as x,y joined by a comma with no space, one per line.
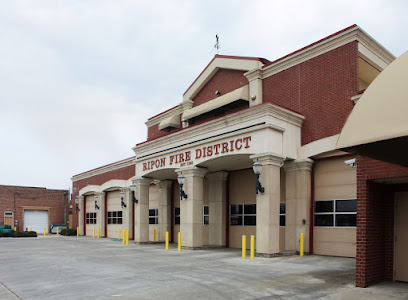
217,43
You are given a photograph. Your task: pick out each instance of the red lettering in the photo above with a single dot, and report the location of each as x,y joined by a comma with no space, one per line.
171,159
236,144
181,157
188,155
157,163
204,152
162,162
144,166
198,153
247,140
232,145
224,148
216,147
210,151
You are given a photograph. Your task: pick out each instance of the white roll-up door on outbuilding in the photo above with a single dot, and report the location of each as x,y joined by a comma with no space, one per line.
36,219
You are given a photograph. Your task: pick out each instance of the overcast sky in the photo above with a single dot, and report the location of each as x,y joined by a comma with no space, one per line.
78,79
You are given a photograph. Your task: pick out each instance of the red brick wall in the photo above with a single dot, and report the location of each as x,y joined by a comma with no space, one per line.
153,132
13,198
120,174
224,81
320,89
375,220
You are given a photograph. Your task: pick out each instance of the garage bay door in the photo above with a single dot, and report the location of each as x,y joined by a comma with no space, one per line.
36,219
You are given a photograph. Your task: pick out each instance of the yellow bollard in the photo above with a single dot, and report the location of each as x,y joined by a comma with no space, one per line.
127,237
154,235
57,230
167,240
15,228
93,232
31,228
179,241
301,244
124,237
119,233
252,246
77,231
244,246
98,233
44,231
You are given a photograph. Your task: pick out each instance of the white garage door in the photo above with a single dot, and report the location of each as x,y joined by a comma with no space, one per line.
36,219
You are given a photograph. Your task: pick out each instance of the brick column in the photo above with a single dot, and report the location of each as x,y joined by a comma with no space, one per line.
217,193
81,214
142,210
298,192
268,205
191,209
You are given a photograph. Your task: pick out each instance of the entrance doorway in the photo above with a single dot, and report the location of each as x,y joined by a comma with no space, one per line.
401,237
8,218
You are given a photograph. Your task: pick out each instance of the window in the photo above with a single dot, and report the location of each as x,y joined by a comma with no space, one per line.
114,217
336,213
282,214
206,215
243,214
153,216
90,218
177,216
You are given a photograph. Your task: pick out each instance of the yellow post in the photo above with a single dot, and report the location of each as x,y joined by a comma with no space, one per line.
179,241
44,231
167,240
127,237
77,231
31,228
15,228
98,232
57,230
119,233
154,235
252,246
124,239
301,244
244,246
93,232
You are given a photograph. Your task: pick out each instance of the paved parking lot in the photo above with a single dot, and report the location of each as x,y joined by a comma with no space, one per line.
56,267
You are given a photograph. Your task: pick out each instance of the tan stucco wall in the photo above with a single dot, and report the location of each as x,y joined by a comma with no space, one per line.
242,191
113,204
154,203
205,202
176,197
334,180
90,207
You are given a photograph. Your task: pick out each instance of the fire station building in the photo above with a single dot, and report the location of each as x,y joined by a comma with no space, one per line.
250,150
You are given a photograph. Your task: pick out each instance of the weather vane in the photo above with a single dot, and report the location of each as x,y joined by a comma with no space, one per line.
217,43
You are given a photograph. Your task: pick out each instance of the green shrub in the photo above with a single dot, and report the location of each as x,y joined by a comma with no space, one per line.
18,234
68,231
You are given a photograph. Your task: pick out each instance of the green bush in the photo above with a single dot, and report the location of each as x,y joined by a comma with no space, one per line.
68,231
18,234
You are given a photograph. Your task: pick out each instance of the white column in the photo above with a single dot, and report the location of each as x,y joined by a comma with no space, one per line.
142,210
268,205
298,193
217,194
101,214
164,208
191,209
81,214
255,86
127,211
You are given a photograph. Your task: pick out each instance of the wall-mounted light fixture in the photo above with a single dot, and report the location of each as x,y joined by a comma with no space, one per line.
96,202
133,190
257,170
122,195
76,204
180,180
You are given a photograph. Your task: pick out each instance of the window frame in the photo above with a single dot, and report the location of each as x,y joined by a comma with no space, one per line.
116,217
90,216
155,217
242,215
282,214
176,216
206,215
333,213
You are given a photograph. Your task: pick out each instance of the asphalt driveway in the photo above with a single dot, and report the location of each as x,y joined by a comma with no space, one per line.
57,267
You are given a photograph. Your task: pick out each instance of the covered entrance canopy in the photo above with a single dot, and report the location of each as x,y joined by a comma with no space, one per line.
378,125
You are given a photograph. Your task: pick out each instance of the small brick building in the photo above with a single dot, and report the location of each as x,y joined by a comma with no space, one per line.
33,207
